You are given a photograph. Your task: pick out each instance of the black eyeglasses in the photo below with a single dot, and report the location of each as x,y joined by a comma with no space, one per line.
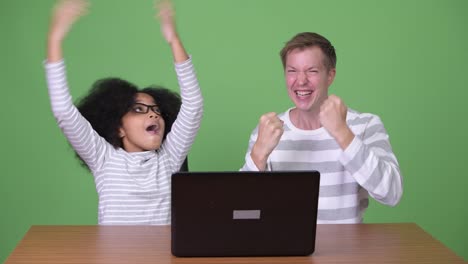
141,108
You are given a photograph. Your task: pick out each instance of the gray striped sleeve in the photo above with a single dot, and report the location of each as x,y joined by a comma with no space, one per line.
86,142
187,124
371,161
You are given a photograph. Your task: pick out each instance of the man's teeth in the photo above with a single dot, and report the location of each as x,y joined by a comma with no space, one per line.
303,93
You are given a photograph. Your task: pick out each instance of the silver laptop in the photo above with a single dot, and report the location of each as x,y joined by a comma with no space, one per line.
244,213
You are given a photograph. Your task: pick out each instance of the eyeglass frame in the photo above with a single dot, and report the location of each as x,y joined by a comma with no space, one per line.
146,108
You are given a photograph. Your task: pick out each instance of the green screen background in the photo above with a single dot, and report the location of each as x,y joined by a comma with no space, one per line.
404,60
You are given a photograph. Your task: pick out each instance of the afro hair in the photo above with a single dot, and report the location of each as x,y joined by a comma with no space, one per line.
110,99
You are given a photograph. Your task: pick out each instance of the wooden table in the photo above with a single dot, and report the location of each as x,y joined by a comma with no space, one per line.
358,243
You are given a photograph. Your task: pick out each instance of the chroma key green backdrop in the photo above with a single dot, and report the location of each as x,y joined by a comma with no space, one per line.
404,60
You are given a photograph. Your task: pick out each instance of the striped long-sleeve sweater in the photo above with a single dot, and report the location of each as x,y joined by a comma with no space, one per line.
133,188
366,167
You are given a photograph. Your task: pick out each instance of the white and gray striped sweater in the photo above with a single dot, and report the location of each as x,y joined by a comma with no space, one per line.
133,188
367,166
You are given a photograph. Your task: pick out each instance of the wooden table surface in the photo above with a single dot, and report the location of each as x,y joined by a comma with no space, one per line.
353,243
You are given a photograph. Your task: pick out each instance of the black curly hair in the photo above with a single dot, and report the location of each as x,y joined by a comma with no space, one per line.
110,99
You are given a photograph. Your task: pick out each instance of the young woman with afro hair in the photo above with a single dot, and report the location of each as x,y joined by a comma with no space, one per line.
131,140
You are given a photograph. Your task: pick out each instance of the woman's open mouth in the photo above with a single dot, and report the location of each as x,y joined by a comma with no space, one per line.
153,129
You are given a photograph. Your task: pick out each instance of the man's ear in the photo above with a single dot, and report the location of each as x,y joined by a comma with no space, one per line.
331,76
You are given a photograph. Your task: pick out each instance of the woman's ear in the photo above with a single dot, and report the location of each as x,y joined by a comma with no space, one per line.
121,132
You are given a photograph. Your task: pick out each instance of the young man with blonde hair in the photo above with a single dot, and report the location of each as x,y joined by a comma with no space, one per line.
351,150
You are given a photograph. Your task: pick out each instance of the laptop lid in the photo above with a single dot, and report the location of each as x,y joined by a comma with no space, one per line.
244,213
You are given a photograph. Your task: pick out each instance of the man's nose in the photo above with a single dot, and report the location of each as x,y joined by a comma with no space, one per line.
302,78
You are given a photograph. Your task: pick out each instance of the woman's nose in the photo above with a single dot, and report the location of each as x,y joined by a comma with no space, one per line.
154,115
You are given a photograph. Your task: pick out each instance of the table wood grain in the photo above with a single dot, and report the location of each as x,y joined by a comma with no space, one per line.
353,243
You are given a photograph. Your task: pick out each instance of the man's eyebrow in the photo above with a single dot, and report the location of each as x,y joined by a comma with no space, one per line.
309,68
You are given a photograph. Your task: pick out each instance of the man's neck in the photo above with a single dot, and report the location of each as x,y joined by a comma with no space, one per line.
305,120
